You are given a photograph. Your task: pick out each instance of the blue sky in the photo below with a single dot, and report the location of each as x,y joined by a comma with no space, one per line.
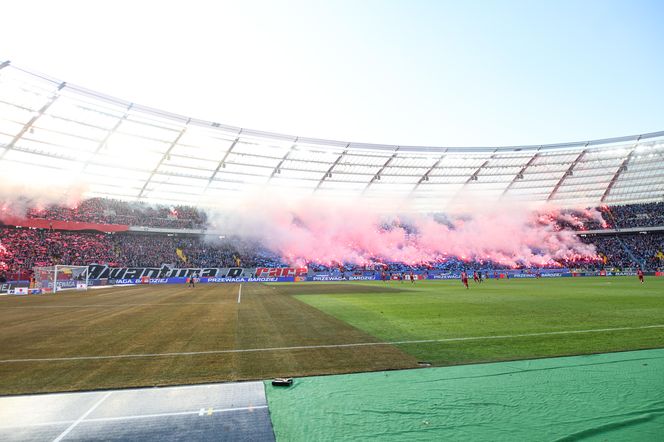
451,73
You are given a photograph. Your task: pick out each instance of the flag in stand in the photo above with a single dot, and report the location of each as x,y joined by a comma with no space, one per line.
181,255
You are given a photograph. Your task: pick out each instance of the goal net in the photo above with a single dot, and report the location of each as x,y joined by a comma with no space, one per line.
60,277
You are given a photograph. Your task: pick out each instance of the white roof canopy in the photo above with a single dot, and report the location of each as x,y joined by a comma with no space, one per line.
127,151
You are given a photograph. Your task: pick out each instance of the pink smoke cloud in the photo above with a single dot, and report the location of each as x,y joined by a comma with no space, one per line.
579,219
336,232
17,197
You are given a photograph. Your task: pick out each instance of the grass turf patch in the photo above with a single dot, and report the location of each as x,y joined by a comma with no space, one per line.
322,288
173,319
166,320
444,309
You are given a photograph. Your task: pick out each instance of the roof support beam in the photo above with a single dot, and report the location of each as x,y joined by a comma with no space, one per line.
163,158
4,64
621,169
328,174
519,176
277,168
32,121
425,177
103,142
376,177
222,162
474,175
567,173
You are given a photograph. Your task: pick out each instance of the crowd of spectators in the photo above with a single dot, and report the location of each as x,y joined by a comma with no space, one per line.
637,215
620,217
647,248
150,250
108,211
612,252
580,220
22,249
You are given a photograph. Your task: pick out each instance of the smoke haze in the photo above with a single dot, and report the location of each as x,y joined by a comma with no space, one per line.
363,231
330,231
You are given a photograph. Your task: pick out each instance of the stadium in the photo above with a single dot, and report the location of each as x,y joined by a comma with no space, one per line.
165,277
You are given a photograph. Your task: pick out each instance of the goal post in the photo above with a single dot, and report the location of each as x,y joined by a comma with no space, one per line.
60,277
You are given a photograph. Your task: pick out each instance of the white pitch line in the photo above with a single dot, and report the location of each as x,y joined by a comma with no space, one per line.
239,294
313,347
80,419
208,412
140,416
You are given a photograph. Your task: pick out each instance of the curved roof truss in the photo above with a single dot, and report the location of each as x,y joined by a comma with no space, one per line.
128,151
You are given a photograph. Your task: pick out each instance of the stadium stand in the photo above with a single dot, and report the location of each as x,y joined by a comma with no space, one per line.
23,248
637,215
613,217
109,211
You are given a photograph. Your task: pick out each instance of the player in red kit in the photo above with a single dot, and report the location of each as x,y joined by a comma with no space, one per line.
412,278
476,277
639,273
464,278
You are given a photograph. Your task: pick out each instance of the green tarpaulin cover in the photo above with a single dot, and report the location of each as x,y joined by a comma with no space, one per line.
615,396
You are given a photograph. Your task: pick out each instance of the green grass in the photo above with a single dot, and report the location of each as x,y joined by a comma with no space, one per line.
174,319
444,309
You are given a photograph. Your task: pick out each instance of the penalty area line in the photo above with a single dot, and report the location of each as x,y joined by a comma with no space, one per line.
80,419
313,347
239,294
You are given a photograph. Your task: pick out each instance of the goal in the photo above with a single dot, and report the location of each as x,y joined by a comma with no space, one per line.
60,277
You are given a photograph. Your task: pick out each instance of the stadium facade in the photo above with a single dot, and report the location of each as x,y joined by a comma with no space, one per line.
132,152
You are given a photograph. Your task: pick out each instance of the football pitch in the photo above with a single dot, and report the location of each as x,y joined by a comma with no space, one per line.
164,335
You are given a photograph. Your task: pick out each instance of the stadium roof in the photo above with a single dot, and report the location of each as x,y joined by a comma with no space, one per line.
127,151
